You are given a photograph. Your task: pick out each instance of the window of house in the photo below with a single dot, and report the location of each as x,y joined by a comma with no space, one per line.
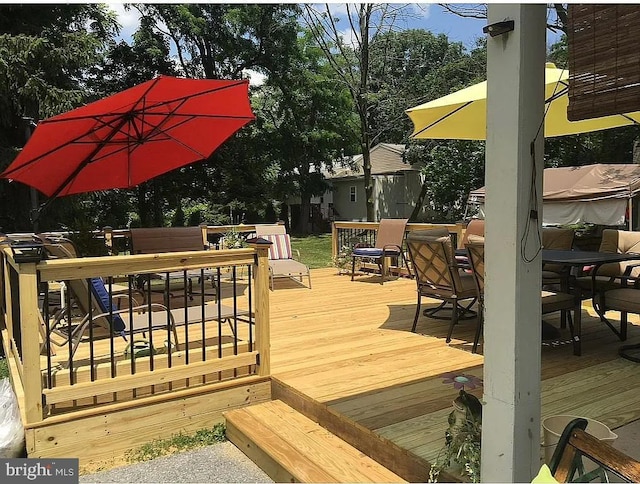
352,193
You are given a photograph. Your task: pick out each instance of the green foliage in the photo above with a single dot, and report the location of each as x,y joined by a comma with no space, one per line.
4,368
343,260
177,443
233,239
461,451
411,67
451,169
220,41
306,119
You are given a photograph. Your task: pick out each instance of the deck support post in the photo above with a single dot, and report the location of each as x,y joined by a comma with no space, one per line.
261,278
335,249
30,330
514,170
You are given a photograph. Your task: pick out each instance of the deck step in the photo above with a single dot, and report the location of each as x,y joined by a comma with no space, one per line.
289,447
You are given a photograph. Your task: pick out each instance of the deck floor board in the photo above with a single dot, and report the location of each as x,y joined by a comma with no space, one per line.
349,345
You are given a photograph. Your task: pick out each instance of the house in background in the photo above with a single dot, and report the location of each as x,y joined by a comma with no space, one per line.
396,186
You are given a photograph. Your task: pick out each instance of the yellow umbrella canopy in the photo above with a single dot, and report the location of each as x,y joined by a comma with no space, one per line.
463,114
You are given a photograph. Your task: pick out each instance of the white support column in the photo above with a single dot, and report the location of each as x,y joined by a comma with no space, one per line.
512,332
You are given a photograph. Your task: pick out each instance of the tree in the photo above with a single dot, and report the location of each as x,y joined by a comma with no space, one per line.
451,169
366,22
309,120
216,41
45,54
415,66
221,41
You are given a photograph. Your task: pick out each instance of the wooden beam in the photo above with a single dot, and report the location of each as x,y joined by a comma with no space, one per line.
81,268
148,400
147,378
261,278
30,342
398,460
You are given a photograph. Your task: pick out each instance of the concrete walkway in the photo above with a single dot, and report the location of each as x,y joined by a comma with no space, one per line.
216,463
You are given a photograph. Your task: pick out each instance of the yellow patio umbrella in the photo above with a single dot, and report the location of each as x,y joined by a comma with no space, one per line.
463,114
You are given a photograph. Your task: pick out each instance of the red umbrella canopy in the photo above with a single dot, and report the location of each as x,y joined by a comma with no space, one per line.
132,136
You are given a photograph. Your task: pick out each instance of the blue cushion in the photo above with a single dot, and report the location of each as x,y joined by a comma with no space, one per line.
104,301
368,252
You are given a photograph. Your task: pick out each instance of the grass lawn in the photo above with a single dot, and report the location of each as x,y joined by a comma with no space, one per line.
4,368
315,250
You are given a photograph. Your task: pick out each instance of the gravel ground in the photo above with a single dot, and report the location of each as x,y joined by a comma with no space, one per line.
216,463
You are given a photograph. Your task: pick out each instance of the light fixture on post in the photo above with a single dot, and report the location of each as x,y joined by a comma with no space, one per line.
499,28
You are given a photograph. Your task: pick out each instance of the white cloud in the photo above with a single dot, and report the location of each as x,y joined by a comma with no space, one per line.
129,20
255,78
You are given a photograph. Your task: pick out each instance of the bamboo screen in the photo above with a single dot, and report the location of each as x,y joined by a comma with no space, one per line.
604,60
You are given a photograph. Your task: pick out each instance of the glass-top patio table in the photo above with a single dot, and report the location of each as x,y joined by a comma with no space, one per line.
580,258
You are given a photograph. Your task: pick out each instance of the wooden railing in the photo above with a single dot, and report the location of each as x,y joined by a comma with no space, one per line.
118,238
347,234
51,379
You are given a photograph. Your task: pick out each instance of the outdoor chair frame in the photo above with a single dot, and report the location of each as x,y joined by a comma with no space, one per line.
389,240
438,276
575,443
551,301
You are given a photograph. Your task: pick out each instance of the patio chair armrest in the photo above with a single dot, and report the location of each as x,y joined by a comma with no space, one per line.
361,245
633,280
630,268
139,309
125,296
392,247
296,254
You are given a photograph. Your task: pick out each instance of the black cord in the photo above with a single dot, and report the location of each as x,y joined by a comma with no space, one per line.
534,211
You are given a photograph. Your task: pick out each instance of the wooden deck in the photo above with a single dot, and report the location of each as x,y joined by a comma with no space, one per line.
348,345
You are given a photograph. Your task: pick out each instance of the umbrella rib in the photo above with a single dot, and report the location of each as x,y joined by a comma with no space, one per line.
442,118
150,140
151,106
182,99
87,159
75,140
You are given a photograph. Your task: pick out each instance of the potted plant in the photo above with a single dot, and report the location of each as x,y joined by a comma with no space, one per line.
461,451
343,260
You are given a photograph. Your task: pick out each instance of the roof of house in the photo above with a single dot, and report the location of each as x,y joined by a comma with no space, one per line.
386,158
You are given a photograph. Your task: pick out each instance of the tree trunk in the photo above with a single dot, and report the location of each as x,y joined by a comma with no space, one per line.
305,214
419,202
368,182
142,205
363,106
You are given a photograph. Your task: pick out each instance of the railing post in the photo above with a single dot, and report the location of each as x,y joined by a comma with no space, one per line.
30,340
261,278
461,227
335,250
108,239
6,300
205,235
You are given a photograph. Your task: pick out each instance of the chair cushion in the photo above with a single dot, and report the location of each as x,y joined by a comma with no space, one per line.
556,301
625,299
367,252
104,301
280,246
290,267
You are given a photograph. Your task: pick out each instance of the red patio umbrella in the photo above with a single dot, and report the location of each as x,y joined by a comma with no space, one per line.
127,138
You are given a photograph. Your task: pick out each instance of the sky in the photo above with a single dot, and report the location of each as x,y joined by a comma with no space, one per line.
428,16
